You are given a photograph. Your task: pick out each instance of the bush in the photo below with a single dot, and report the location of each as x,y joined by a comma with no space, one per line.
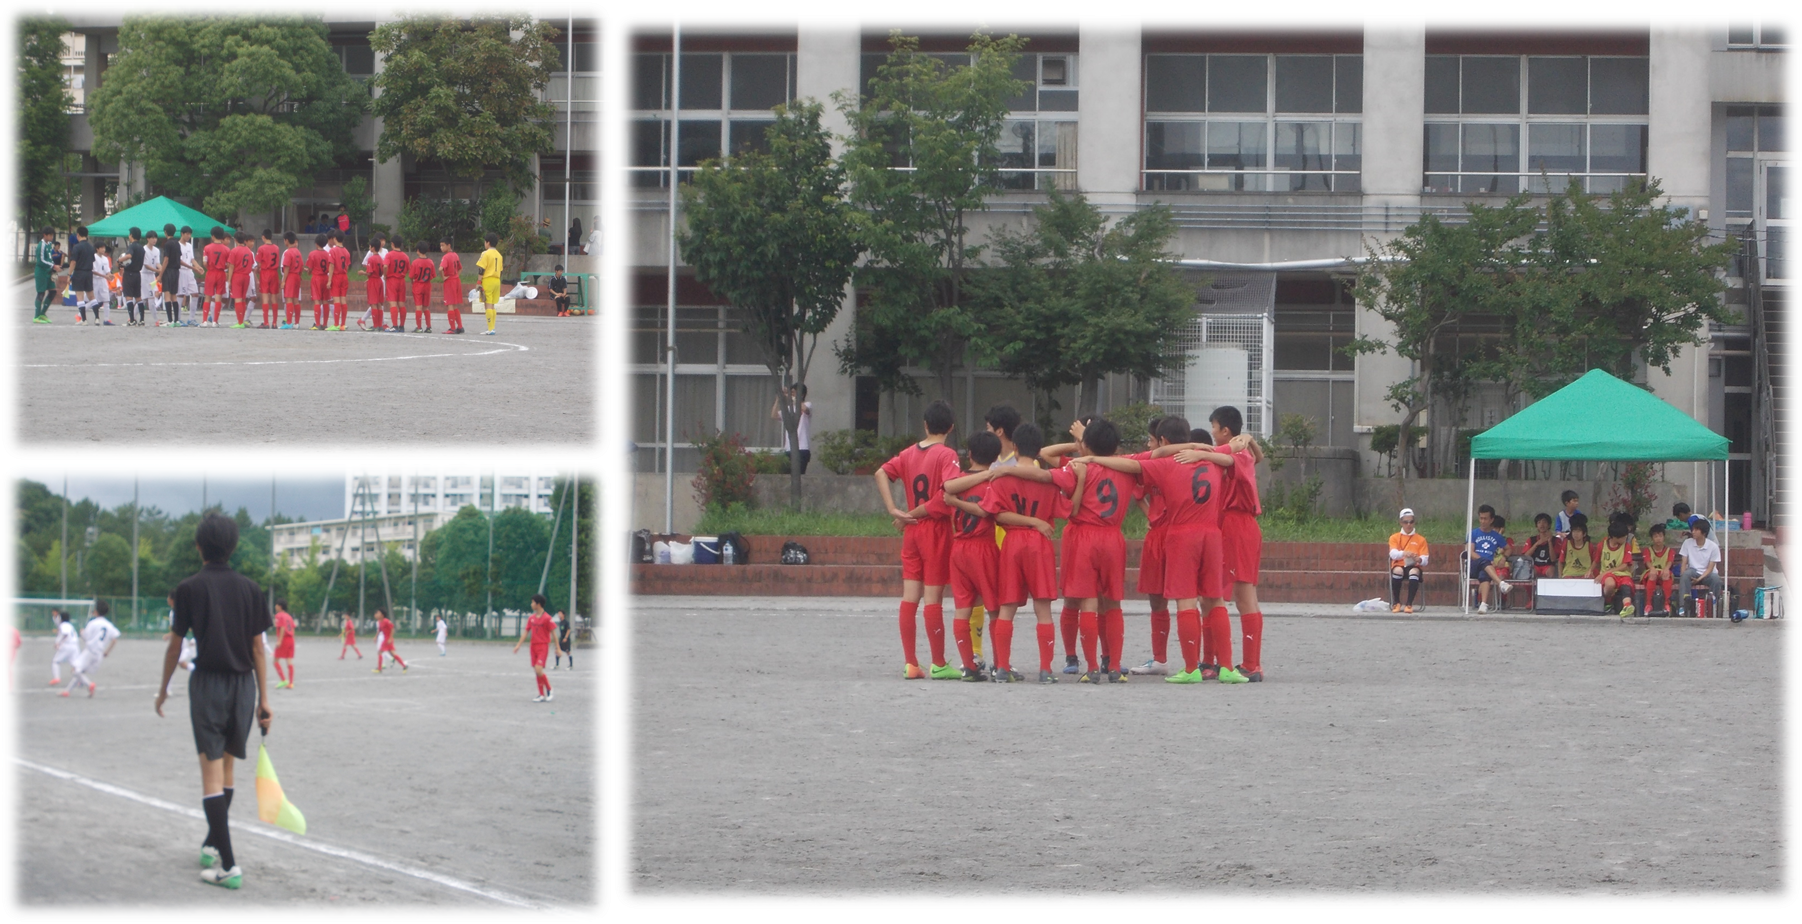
727,471
771,463
1633,494
433,219
1132,420
846,452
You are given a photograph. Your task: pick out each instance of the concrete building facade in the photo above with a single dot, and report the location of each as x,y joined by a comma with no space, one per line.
382,510
1279,152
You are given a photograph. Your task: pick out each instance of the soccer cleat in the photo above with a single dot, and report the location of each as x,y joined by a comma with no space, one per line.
209,856
1155,668
913,672
972,675
1193,676
1047,677
403,668
1115,677
1209,671
1008,675
228,878
548,695
945,672
1627,609
110,324
1070,665
63,693
539,698
487,333
375,670
239,326
91,689
1088,677
1229,675
1251,676
56,683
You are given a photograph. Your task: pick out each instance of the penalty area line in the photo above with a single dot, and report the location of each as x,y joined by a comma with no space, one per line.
287,838
501,348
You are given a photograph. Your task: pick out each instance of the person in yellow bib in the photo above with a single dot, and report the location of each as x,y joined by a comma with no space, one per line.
489,264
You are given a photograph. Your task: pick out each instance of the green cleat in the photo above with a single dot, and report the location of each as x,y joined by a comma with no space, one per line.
228,878
1007,675
1229,675
209,857
1193,676
945,672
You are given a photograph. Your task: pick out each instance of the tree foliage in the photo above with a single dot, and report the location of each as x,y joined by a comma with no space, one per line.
234,112
1073,299
942,124
43,105
772,233
466,94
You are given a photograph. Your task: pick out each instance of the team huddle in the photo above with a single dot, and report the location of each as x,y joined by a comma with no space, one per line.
1199,492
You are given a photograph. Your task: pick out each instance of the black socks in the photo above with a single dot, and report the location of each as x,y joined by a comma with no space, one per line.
218,810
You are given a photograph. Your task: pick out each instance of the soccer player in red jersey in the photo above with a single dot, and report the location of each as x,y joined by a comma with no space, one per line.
451,268
421,272
542,628
1094,559
349,635
923,469
1151,567
1025,509
374,292
338,258
319,283
396,275
290,268
269,279
214,255
975,558
241,261
284,645
384,641
1194,569
1241,539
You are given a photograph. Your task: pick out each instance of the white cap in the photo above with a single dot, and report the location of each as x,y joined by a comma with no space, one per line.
1406,513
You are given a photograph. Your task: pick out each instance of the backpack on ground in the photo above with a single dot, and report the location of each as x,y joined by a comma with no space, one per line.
641,547
794,553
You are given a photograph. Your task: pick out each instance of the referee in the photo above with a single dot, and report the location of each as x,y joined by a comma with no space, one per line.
228,614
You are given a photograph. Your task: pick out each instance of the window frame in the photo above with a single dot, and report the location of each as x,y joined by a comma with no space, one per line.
642,176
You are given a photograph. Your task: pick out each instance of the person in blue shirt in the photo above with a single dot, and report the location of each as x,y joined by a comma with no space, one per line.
1561,527
1484,543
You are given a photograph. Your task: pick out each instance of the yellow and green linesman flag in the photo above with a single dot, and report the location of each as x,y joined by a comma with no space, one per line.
272,806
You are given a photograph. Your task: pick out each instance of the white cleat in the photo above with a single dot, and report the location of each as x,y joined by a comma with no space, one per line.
1154,668
539,698
547,697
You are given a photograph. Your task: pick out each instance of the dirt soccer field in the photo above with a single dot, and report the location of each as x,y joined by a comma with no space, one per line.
529,384
1507,755
445,785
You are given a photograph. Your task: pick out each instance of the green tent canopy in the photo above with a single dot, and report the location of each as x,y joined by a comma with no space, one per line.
152,216
1600,418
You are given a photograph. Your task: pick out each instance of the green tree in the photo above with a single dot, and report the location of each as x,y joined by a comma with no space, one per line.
588,515
107,566
358,205
43,122
772,234
465,93
942,124
1074,300
235,112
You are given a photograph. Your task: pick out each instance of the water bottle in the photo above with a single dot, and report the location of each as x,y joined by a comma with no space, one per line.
730,557
1745,520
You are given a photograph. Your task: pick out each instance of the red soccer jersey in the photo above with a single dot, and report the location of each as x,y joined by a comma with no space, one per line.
1242,484
215,255
291,260
452,268
374,265
317,263
1106,494
284,625
1026,498
339,260
923,471
1154,504
965,525
241,260
268,256
542,627
423,270
385,630
397,264
1189,491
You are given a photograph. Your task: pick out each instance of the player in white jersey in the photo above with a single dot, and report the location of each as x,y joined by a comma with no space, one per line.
187,288
67,646
443,633
97,639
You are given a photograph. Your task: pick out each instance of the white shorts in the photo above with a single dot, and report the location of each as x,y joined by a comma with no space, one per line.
65,656
147,288
88,662
187,285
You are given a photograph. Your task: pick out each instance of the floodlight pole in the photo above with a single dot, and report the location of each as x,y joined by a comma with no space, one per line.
1726,527
134,550
271,600
669,344
63,564
413,594
1470,504
494,487
575,516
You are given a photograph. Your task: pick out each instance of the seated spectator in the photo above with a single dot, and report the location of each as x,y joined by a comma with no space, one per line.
1661,563
1679,521
1701,561
1578,559
1561,526
559,287
311,228
1614,564
1542,549
1481,548
1407,562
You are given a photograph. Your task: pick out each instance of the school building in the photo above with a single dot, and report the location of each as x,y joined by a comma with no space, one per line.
382,510
566,186
1283,155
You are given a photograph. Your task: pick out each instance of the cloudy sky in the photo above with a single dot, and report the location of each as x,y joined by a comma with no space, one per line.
299,497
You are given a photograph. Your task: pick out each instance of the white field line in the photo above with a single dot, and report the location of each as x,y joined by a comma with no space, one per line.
501,347
287,838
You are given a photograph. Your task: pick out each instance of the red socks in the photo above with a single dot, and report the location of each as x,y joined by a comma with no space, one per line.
1113,637
935,632
960,632
1003,643
544,684
909,644
453,319
1047,644
1251,635
1218,629
238,309
1188,637
1071,623
1088,624
378,317
1160,634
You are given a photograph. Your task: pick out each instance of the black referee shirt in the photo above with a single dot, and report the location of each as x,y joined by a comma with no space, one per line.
227,611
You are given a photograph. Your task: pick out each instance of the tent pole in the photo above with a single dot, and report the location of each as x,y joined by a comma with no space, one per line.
1726,525
1470,505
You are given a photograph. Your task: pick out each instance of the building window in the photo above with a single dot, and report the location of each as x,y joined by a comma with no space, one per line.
1504,123
1751,130
725,102
1276,123
1756,36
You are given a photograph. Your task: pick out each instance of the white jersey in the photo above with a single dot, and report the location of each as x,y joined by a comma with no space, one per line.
186,284
188,649
65,637
98,634
443,631
103,272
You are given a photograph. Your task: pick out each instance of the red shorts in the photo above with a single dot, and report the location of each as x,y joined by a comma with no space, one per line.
291,287
1241,546
387,645
422,295
269,282
1193,564
539,654
350,638
316,285
1151,562
285,648
340,286
1094,562
372,291
397,290
215,284
926,552
453,293
975,568
1028,567
240,285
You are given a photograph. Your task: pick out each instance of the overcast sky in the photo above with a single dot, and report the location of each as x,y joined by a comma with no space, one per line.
302,498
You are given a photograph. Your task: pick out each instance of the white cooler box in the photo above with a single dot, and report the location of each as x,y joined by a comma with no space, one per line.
1567,596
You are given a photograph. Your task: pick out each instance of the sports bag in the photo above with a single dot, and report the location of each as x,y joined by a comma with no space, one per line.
794,553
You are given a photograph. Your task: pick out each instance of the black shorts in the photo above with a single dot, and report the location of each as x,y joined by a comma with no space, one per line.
222,707
563,644
81,282
1476,570
132,285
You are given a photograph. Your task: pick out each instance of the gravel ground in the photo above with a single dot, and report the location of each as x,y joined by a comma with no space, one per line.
1507,755
447,770
530,384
